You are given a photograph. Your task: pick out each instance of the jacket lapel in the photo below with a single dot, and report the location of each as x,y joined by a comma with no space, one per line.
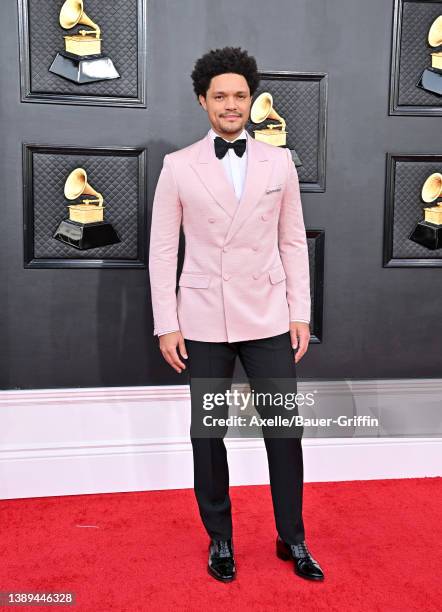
212,174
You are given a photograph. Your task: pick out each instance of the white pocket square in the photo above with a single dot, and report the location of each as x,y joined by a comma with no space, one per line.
272,189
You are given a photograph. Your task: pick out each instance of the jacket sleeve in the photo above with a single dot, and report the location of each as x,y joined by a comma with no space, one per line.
292,243
163,251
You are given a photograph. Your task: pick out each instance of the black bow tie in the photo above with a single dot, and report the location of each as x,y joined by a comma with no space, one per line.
222,146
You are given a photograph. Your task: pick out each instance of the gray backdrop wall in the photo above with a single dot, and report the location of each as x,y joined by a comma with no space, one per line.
92,327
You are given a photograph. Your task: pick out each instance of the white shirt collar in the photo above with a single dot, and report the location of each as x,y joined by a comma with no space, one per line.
213,135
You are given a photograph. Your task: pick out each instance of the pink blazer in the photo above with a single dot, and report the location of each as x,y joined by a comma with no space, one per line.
245,272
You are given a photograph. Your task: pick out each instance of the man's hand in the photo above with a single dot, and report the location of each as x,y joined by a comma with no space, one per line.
300,337
168,346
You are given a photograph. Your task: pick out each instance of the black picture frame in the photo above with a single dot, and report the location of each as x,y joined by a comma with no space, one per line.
317,237
30,260
395,108
320,135
27,95
389,259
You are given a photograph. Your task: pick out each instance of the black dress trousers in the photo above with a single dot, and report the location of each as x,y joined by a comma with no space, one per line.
265,357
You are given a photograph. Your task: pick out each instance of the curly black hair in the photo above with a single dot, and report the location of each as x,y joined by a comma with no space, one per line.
220,61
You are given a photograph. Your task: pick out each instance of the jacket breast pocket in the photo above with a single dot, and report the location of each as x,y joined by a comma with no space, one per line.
197,281
273,189
271,199
277,275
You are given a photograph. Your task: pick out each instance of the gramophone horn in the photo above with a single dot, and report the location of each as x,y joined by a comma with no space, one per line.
432,187
72,13
262,109
435,32
76,185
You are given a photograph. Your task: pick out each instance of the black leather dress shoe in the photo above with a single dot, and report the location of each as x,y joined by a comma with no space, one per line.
221,561
305,565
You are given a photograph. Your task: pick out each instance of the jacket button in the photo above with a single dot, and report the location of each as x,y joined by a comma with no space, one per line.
255,247
226,276
256,275
225,249
211,220
264,217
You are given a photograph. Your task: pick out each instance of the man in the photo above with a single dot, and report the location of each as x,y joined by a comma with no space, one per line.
243,291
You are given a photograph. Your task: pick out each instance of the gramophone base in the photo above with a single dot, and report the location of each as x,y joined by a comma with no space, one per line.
431,80
428,235
86,236
83,70
276,138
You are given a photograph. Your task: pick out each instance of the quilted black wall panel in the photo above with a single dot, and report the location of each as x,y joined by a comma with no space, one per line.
406,175
123,29
301,100
315,243
410,56
118,175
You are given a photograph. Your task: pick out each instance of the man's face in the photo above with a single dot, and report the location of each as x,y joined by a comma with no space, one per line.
227,103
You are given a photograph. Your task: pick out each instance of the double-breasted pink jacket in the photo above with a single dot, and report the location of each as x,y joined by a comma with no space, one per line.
245,273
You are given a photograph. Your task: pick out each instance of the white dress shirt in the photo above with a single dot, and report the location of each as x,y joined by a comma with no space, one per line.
235,168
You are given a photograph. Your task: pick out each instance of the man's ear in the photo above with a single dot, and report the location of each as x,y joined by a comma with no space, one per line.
202,101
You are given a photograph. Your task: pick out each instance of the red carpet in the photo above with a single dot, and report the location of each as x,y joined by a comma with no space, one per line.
379,543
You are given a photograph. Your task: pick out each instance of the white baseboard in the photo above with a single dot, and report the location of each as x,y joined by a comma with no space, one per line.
115,439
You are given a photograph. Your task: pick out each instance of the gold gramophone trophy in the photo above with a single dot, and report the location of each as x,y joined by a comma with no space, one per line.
82,60
431,78
428,232
262,109
85,228
274,134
